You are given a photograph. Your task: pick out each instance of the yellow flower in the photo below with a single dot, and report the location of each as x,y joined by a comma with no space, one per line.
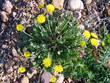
22,69
27,54
86,34
47,62
53,79
94,35
19,27
58,68
40,5
50,7
41,18
82,43
94,42
27,14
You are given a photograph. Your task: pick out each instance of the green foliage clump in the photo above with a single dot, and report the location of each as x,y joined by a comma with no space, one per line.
59,39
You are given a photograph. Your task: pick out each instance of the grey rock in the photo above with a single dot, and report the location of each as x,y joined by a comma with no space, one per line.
7,6
24,80
75,5
60,78
4,17
45,77
31,72
88,1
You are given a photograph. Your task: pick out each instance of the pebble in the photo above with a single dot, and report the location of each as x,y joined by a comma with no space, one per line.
24,80
60,78
4,17
58,4
10,70
107,10
14,14
82,27
45,77
77,14
31,72
7,6
88,1
29,4
75,5
14,52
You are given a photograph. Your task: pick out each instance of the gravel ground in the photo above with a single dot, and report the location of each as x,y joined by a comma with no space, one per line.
96,15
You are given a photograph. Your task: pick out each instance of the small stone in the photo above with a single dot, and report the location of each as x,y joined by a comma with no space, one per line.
14,14
82,27
31,72
4,46
48,1
4,16
5,79
60,78
10,70
81,5
3,26
107,10
58,4
14,52
77,14
88,1
30,4
45,77
7,6
24,80
75,5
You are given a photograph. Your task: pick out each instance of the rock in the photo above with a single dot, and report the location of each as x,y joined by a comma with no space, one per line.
107,10
58,4
9,70
3,26
88,1
82,27
45,77
14,14
24,80
77,14
5,79
4,17
75,5
60,78
7,6
14,52
31,72
29,4
48,1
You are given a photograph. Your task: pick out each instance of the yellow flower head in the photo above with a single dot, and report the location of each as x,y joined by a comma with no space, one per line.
94,42
41,18
40,5
53,79
50,7
82,43
47,62
94,35
86,34
19,27
22,69
27,54
58,68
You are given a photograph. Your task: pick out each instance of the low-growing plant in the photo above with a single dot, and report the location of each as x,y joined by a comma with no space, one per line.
57,45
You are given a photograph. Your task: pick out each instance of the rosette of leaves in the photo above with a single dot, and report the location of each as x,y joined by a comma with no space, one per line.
58,38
